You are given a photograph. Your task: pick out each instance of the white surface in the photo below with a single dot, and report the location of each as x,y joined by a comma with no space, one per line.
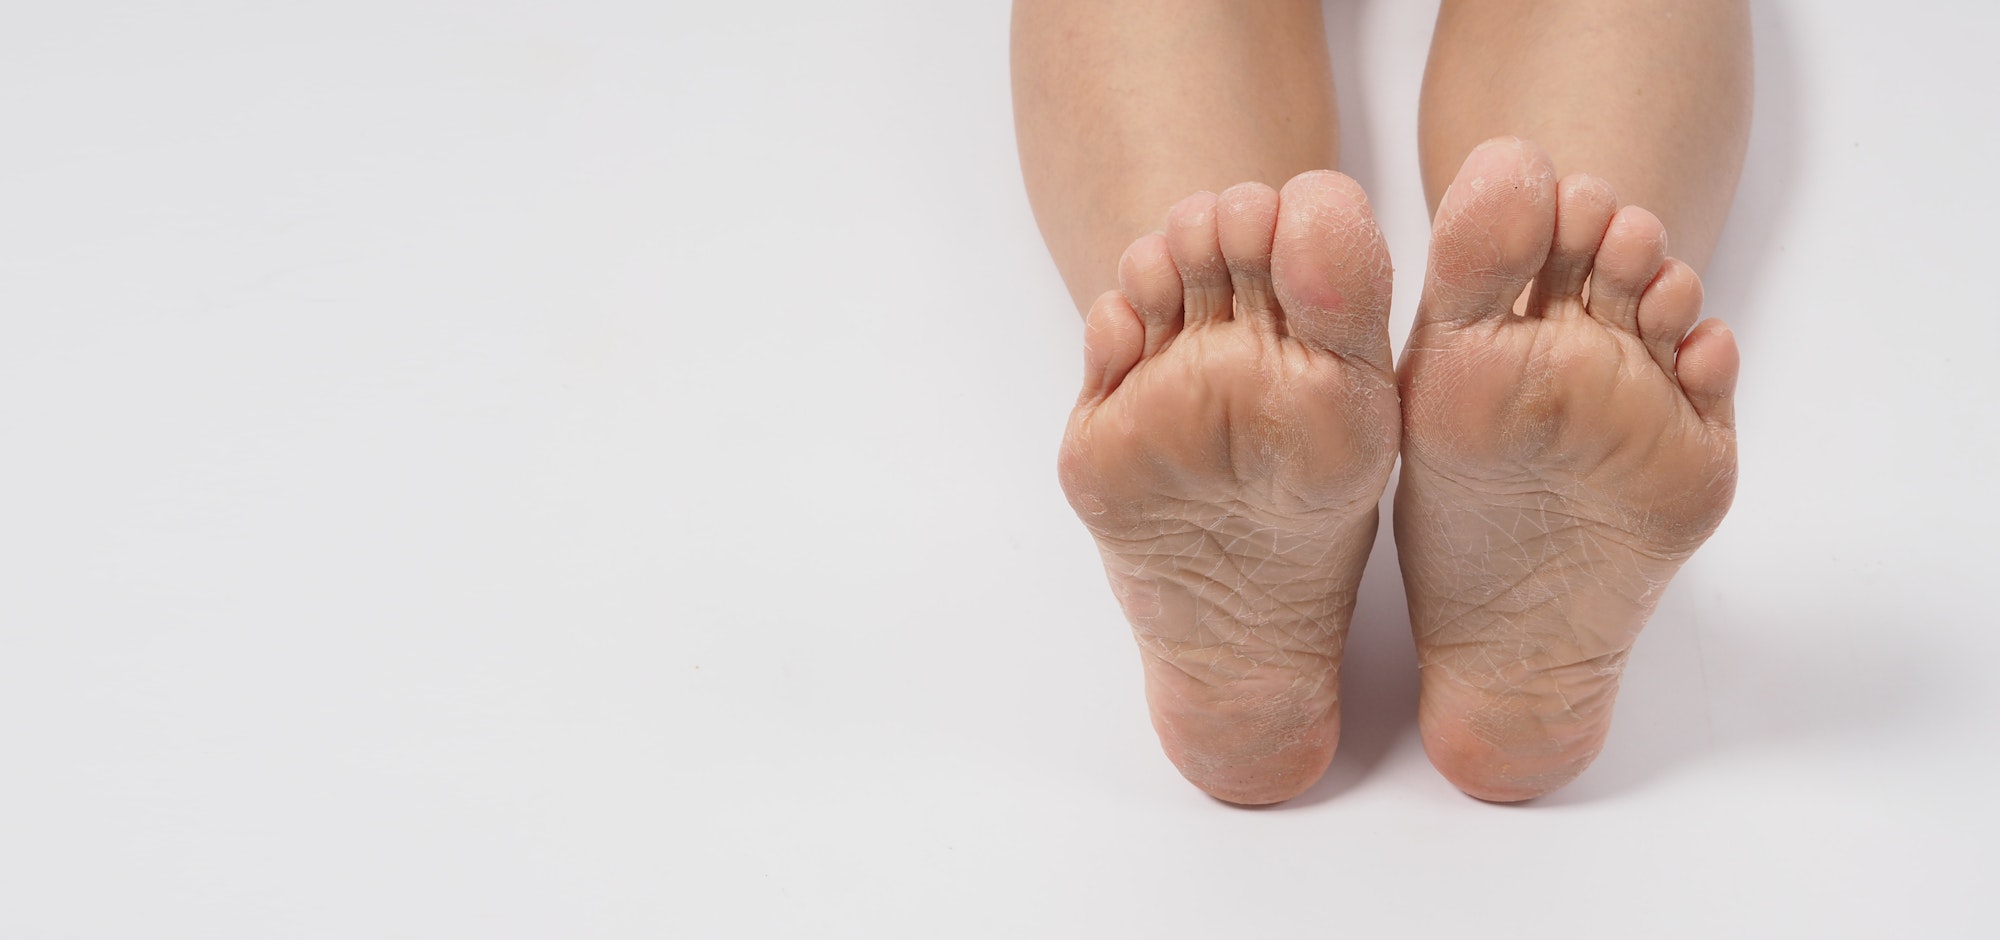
586,470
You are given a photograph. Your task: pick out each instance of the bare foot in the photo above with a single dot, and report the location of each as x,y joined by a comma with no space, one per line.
1236,428
1564,452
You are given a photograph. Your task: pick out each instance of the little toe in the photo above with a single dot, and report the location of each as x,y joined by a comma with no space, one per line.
1706,367
1634,248
1668,309
1197,255
1584,206
1114,337
1245,216
1332,269
1492,232
1152,285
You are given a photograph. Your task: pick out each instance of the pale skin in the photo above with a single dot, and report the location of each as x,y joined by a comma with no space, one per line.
1564,420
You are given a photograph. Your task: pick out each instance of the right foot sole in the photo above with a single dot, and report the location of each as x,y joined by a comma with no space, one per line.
1236,428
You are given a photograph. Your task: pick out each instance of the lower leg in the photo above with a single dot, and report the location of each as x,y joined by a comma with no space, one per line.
1123,107
1652,96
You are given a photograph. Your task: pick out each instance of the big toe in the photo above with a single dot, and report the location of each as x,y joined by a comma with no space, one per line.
1492,232
1331,267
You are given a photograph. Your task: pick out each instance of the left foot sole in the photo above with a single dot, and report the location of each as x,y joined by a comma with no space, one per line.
1236,428
1568,443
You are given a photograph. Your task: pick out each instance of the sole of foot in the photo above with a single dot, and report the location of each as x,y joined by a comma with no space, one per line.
1236,428
1568,442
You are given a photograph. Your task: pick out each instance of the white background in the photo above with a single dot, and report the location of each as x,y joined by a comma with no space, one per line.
585,469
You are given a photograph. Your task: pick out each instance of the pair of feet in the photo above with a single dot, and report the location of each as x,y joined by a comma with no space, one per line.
1567,442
